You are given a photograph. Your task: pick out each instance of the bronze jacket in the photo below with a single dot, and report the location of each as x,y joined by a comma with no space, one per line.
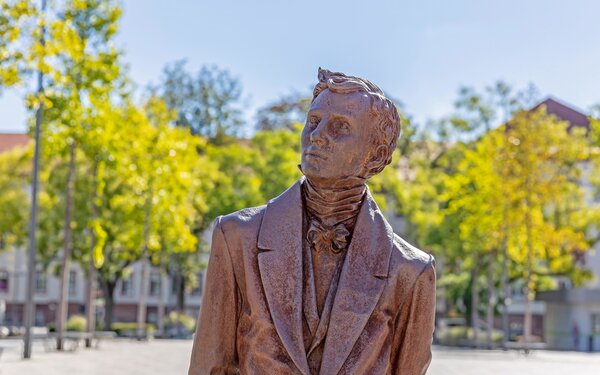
251,318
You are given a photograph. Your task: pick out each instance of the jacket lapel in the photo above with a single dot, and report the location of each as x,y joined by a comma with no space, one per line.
361,283
309,295
280,264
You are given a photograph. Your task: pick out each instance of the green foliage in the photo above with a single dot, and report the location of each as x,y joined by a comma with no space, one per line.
206,103
15,27
75,323
186,321
279,156
14,175
125,329
517,186
249,173
467,191
460,336
284,113
541,170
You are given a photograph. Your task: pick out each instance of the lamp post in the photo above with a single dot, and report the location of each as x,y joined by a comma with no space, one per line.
29,303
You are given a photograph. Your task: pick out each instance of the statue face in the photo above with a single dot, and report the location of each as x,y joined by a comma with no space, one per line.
337,139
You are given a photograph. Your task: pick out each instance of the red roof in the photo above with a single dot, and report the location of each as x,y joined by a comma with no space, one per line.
9,141
565,113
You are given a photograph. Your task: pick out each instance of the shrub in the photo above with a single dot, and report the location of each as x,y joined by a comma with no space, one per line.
121,328
186,321
76,323
457,336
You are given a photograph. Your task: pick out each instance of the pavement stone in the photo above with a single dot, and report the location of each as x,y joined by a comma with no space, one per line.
496,362
116,357
128,357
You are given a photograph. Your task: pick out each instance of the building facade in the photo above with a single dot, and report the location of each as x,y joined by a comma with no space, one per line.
160,288
160,291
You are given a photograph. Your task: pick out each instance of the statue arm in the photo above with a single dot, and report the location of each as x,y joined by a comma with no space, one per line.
414,327
214,350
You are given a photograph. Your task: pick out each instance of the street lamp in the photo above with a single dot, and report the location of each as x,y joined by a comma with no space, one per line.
29,303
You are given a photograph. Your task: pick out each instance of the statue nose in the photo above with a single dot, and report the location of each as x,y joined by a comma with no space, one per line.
318,135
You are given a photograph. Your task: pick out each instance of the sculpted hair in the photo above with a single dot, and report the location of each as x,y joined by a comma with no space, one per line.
388,127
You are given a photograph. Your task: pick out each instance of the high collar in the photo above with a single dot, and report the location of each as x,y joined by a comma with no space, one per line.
334,205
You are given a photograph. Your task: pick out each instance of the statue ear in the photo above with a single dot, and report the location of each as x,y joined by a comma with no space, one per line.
378,160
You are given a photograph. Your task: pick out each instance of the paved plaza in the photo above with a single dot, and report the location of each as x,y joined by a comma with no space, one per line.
121,357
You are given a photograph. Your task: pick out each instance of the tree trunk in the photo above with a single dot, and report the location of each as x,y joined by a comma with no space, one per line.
108,289
142,303
63,303
490,304
181,295
475,303
527,290
180,302
90,307
161,305
527,318
505,291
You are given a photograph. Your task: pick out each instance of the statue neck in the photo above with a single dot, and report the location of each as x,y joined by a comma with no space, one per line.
334,205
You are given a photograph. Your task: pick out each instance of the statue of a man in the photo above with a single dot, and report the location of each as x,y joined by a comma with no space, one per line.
316,282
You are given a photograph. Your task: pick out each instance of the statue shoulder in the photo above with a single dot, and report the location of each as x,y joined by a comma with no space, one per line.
242,220
406,258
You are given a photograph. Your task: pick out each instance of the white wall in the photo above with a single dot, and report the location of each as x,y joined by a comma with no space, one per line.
560,319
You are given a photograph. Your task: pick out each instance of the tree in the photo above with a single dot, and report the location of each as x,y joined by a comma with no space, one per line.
167,181
149,193
543,176
86,66
519,188
278,157
479,112
207,103
453,196
283,113
476,207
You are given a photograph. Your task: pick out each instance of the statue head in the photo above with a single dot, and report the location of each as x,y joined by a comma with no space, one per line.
351,130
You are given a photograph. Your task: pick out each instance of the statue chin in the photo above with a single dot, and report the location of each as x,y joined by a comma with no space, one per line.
314,174
310,170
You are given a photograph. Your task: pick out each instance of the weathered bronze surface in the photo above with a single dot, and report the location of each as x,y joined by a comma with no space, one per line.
316,282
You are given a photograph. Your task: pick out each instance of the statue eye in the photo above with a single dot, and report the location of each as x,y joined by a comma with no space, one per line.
343,127
313,121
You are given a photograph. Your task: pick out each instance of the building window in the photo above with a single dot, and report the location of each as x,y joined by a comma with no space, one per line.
197,291
595,324
155,283
152,317
174,284
40,281
40,318
127,286
3,281
72,282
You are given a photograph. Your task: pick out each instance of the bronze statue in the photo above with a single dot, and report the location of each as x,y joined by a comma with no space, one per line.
316,282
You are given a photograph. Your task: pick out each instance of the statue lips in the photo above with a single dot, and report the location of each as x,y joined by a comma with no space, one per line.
315,154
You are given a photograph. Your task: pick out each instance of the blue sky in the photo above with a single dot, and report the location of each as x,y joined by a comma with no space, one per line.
420,52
